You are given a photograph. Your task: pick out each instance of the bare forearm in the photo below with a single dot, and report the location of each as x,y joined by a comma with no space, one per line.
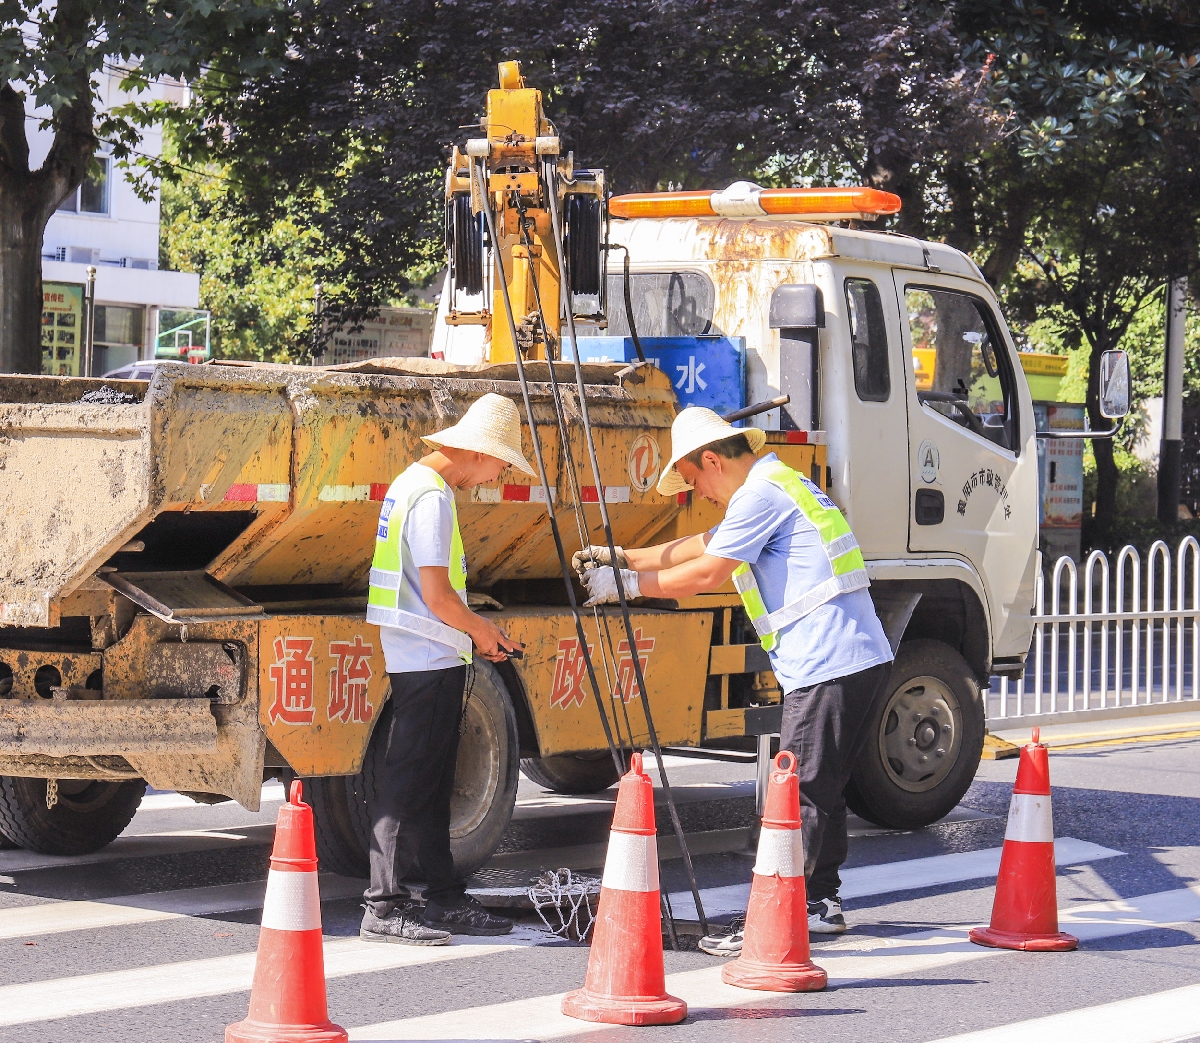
698,576
666,555
449,608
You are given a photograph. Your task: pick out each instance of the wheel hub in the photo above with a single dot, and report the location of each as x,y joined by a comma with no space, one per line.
477,773
922,734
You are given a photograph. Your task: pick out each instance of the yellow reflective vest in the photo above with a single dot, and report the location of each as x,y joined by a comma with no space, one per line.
387,566
847,570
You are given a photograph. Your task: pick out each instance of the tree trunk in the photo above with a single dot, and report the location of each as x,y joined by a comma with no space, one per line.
21,234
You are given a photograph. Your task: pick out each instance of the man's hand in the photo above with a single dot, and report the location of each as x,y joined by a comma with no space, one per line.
490,641
601,586
596,556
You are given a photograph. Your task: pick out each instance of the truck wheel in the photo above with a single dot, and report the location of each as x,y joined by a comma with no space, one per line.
925,737
572,772
485,786
88,814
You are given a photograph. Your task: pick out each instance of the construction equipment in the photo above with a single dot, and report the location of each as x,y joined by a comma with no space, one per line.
185,559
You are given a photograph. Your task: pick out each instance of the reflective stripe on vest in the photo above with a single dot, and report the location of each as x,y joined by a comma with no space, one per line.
387,567
848,571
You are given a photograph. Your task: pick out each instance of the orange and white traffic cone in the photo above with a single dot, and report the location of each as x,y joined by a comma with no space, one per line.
626,982
775,954
287,1000
1025,909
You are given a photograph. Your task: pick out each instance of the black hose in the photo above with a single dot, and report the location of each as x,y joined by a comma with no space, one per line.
556,223
637,342
541,465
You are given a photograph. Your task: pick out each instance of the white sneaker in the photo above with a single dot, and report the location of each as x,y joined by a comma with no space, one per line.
727,942
825,916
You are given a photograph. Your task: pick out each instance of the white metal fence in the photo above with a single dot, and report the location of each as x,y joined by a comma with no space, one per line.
1110,637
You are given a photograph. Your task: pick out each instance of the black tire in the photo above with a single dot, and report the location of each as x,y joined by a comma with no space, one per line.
572,772
931,703
485,786
88,814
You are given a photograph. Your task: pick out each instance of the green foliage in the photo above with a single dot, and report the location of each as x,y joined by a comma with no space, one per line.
259,283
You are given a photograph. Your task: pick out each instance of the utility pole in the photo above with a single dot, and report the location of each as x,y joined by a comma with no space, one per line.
1170,454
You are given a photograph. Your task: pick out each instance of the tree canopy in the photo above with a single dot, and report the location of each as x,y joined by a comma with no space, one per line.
52,57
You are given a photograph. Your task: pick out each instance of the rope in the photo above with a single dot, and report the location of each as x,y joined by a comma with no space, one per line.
559,887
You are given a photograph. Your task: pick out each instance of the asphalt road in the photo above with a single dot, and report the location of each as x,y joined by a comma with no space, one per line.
154,938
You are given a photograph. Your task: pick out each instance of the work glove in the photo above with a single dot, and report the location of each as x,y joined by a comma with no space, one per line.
581,559
602,586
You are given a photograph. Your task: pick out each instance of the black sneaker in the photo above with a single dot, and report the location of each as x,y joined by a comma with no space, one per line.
825,916
466,916
402,926
727,942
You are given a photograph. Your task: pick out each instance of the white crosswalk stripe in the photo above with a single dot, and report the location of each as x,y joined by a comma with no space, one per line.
1162,1017
890,877
192,979
848,960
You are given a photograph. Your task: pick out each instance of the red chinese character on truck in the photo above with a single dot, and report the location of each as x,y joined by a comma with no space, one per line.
348,681
292,676
626,675
569,669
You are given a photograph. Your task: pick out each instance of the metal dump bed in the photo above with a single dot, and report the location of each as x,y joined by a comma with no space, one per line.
267,478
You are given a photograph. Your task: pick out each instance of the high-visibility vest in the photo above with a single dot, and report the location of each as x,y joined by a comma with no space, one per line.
847,570
387,566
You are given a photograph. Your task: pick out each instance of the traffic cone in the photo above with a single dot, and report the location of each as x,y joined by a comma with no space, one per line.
775,955
1025,909
287,1000
626,983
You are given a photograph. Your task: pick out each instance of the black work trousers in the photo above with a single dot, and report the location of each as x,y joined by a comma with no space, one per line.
413,782
825,726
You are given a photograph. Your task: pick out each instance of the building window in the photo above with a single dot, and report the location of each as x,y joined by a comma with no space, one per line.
92,197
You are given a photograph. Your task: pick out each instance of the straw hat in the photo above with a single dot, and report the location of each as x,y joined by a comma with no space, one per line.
694,428
491,426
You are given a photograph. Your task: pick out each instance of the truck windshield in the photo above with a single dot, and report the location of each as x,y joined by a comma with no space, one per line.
960,366
665,304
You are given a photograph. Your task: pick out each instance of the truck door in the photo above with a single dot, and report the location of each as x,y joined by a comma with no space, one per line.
973,469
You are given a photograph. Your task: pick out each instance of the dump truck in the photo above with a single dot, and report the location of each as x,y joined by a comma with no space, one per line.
184,560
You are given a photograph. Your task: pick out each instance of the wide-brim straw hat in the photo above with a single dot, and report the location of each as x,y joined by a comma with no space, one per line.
491,426
694,428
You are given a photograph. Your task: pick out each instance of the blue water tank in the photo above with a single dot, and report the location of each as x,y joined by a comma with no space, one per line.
705,371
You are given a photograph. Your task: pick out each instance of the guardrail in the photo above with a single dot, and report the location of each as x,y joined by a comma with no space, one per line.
1113,638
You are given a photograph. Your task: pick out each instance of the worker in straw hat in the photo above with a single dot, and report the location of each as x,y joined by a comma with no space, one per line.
803,583
418,597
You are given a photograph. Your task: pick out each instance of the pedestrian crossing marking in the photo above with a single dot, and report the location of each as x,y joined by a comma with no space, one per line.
936,870
1162,1017
876,959
193,979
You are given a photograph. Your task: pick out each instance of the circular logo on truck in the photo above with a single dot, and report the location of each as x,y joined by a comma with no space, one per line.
929,460
644,463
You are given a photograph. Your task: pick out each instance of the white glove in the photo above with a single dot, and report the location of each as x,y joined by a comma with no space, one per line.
596,556
602,586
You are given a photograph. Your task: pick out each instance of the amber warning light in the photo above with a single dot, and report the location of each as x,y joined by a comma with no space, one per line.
743,199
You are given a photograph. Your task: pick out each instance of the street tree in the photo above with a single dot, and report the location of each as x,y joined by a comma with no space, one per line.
52,56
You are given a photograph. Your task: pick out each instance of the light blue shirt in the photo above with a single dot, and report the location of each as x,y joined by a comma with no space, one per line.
764,528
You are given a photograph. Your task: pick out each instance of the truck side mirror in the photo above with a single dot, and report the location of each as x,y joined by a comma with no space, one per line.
1114,384
798,311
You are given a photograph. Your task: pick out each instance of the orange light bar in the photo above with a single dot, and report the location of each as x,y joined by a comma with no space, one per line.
745,200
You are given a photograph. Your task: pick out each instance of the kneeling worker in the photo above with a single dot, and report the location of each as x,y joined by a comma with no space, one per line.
418,597
803,582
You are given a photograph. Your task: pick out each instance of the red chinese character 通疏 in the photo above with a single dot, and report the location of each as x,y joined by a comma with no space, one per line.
348,681
292,676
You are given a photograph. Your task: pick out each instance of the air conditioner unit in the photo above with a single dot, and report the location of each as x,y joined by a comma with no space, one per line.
149,264
83,255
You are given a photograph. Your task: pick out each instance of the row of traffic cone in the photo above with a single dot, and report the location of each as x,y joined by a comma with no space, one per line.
626,982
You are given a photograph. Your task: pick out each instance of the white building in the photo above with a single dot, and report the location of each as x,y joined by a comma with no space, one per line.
105,224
